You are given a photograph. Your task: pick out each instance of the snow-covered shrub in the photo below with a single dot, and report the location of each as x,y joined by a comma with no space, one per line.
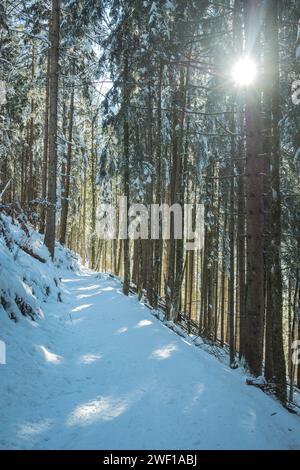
28,277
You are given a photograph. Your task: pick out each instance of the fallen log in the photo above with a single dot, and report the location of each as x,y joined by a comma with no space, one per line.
30,252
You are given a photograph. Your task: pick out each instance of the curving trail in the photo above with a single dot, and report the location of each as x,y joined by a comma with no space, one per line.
101,372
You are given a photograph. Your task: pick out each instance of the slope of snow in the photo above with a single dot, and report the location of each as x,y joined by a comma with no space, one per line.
99,371
25,282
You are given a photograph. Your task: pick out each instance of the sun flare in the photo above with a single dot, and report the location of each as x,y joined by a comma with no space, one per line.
244,72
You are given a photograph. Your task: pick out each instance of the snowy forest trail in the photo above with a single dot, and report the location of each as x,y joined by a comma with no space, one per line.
101,372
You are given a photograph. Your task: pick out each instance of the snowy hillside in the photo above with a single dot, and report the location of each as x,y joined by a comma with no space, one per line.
28,278
97,370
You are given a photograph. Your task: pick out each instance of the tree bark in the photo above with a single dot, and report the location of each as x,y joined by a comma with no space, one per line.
67,176
126,253
254,201
45,148
53,99
274,324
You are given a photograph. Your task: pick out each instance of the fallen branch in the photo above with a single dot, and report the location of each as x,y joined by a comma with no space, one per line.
29,252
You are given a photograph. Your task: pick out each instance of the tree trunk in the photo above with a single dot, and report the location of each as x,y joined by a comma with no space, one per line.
254,203
53,99
94,198
158,195
279,369
67,176
126,253
231,308
45,148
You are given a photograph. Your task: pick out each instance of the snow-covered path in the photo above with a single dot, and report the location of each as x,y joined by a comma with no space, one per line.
101,372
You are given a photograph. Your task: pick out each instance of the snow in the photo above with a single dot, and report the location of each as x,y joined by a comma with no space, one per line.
24,277
99,371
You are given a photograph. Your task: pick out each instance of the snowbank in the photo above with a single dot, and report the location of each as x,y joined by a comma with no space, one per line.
28,278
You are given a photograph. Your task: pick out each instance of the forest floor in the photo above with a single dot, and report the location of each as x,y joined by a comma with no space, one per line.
101,372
